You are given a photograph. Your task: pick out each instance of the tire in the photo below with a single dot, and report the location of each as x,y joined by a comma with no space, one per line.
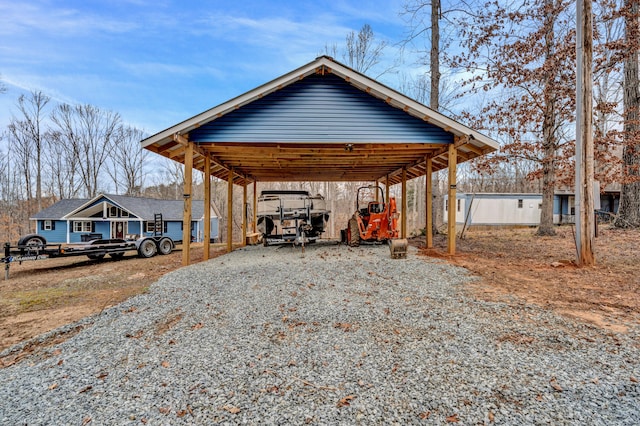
32,241
117,255
353,233
147,248
95,256
165,246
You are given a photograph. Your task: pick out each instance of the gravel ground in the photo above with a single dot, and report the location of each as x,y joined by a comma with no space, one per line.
335,336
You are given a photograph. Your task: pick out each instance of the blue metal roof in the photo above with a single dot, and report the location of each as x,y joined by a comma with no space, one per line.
320,108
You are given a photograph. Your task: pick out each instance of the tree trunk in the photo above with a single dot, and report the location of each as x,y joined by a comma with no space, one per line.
548,133
629,210
434,103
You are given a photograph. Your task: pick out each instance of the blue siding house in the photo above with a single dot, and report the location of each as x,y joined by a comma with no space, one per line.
119,216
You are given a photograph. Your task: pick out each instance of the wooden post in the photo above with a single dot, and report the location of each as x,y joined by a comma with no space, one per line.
386,188
207,207
186,216
403,213
230,212
451,221
429,203
584,181
255,206
244,214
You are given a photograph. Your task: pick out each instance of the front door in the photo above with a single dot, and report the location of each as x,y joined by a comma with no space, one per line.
118,229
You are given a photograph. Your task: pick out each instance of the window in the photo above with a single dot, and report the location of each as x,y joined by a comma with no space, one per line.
46,226
113,211
520,203
124,213
81,226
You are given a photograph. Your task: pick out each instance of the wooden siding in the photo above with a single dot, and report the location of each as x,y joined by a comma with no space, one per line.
320,108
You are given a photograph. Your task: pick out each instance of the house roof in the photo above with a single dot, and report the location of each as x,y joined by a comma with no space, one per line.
320,122
142,208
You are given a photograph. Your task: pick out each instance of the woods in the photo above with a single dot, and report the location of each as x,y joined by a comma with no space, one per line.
508,70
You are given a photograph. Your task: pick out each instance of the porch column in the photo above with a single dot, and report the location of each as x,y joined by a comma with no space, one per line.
451,220
403,213
244,214
429,203
230,211
186,217
255,207
207,207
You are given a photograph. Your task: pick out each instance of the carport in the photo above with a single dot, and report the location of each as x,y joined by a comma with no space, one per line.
320,122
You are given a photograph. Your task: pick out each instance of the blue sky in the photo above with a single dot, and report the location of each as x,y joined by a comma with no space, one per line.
160,62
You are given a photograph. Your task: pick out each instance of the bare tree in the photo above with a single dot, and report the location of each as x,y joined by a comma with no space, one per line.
127,161
28,133
88,134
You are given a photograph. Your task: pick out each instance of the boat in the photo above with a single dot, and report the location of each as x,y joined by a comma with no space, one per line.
291,216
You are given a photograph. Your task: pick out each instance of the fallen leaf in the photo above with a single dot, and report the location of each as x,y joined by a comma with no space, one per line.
56,352
86,420
197,326
102,375
453,418
424,415
555,385
83,390
143,421
164,410
181,413
231,409
60,362
165,364
633,379
345,401
53,386
491,417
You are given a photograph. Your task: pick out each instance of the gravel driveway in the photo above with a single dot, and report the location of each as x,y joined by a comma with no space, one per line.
335,336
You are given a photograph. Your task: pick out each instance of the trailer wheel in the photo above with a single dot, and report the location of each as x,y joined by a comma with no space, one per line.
147,248
165,245
32,241
95,256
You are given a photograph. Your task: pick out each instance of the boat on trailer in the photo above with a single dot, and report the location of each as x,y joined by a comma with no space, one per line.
286,216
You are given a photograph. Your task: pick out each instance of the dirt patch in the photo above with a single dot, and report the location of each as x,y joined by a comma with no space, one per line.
542,270
43,295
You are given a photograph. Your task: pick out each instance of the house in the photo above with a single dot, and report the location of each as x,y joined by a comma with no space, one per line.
118,216
523,209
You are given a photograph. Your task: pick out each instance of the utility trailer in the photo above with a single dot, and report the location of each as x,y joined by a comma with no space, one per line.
35,247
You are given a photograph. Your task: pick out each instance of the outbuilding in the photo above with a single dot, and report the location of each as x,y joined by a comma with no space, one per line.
321,122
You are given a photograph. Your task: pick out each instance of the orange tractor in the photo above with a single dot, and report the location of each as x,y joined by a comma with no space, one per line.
375,221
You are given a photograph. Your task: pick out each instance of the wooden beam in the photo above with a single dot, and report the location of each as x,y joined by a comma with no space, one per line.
451,225
186,217
230,212
207,208
429,203
403,213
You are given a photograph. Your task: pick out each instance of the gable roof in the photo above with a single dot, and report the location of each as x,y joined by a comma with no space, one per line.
322,121
142,208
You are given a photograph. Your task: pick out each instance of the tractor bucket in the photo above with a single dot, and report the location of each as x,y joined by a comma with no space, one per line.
398,248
